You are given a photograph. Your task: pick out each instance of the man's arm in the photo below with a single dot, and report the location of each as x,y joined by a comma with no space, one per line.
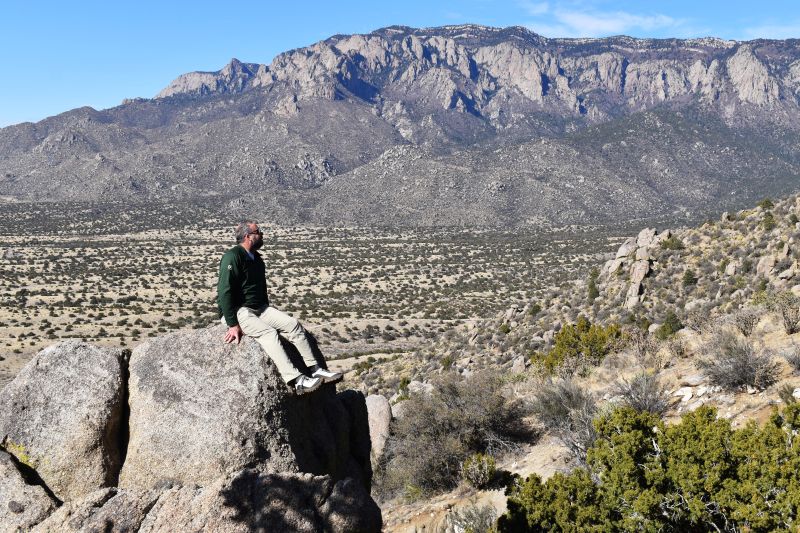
228,283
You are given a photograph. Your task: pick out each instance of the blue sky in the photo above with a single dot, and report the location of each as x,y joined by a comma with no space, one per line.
59,55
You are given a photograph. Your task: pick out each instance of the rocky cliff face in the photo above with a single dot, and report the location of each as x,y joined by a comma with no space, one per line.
185,433
356,120
478,70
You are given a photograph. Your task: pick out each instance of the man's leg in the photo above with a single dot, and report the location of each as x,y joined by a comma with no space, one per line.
267,337
292,330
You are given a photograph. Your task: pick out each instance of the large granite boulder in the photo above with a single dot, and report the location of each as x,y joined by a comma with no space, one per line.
626,248
242,501
632,296
765,265
63,416
210,437
22,502
253,501
380,418
645,237
639,271
109,510
201,409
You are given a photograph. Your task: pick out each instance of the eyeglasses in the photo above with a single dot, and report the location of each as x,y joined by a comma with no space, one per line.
256,232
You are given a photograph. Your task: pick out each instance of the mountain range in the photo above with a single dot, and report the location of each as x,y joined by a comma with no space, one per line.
456,125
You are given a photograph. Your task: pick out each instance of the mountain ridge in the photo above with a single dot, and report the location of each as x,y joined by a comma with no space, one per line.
305,131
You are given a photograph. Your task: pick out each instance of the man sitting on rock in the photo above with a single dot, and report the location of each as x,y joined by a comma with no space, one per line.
244,304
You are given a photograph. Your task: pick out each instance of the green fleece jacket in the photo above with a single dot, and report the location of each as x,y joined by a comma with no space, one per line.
242,283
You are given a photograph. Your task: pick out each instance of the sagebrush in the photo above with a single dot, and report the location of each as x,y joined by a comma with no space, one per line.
427,446
566,411
733,363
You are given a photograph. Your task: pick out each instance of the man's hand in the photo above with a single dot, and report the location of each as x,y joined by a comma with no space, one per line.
234,334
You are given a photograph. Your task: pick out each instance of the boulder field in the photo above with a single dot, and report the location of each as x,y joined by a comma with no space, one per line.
184,433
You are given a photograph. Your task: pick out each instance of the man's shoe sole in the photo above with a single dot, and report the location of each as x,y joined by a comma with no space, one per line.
334,379
306,390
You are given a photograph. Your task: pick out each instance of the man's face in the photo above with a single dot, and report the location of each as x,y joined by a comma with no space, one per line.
256,237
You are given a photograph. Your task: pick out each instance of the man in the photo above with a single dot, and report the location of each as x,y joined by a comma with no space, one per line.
244,304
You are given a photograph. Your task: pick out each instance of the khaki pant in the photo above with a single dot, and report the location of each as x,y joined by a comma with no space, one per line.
264,324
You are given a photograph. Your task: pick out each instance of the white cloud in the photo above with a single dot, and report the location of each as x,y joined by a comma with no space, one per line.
774,31
571,22
535,9
595,24
454,15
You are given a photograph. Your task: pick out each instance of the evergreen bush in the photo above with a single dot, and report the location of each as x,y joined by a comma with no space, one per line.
579,345
697,475
670,326
672,243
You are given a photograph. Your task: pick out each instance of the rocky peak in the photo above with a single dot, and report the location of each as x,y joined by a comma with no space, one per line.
232,78
750,77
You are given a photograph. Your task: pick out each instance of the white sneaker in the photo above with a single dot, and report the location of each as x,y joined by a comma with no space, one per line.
305,384
326,375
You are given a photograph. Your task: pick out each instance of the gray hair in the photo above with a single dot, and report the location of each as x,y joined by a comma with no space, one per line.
242,230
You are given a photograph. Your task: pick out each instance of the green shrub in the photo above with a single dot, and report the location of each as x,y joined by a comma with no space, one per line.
478,470
747,319
448,361
786,394
793,219
793,358
768,222
592,291
672,243
689,278
766,203
505,329
788,307
670,326
580,344
697,475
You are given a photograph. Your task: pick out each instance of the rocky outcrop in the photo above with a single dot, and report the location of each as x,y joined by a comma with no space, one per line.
243,501
639,270
253,501
380,418
473,65
234,77
109,509
632,296
636,253
210,439
200,409
626,248
23,503
765,265
62,416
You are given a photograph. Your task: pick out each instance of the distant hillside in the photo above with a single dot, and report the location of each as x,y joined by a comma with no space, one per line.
454,125
702,276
